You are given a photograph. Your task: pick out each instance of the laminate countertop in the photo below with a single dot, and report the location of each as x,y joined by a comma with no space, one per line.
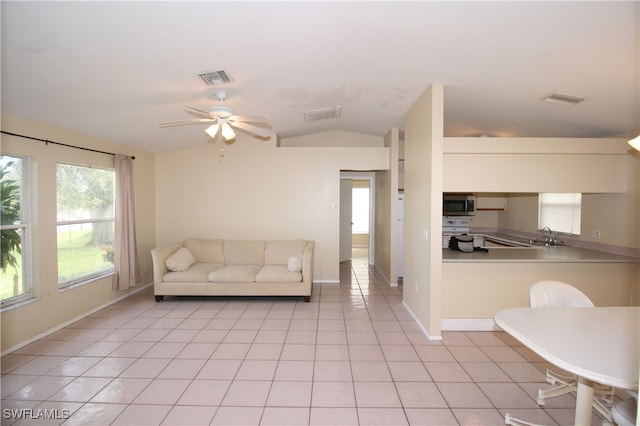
555,254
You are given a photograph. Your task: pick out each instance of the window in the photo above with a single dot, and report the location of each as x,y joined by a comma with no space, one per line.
86,222
560,212
15,282
360,210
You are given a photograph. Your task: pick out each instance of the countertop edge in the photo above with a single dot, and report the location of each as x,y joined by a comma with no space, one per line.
536,255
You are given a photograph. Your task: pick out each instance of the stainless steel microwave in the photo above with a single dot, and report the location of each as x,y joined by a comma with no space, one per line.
458,204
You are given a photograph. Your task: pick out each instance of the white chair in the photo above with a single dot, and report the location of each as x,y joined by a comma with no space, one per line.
558,294
624,412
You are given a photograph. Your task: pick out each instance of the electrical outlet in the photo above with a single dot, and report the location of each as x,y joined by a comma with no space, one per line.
595,233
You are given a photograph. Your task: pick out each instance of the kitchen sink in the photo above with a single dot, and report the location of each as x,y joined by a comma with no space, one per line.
497,242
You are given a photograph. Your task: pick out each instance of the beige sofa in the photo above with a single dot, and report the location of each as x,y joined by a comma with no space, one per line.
215,267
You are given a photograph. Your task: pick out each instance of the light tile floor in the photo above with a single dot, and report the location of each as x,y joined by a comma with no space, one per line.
353,355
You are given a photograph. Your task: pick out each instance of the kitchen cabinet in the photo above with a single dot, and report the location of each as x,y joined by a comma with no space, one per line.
535,165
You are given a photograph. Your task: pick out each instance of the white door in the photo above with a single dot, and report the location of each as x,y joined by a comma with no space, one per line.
345,219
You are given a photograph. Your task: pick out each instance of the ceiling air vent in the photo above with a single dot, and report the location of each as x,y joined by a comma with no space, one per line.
212,78
564,99
322,114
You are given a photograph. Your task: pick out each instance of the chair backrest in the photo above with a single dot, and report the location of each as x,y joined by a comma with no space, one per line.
624,412
556,294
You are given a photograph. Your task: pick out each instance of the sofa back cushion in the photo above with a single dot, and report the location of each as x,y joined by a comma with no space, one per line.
279,252
206,251
238,252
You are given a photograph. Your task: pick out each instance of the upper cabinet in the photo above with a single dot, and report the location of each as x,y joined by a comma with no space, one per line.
535,165
491,201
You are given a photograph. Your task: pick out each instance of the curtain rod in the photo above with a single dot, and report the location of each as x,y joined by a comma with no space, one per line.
62,144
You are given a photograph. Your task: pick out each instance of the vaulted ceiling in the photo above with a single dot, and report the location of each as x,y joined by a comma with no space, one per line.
115,70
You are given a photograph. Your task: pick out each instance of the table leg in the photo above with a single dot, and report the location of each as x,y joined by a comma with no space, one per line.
584,402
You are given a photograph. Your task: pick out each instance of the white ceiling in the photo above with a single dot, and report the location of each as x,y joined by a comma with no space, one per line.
116,69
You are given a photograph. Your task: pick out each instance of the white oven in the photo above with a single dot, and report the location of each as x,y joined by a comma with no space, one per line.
457,226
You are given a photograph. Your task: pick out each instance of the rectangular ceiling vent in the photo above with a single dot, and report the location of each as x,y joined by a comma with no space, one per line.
564,99
322,114
212,78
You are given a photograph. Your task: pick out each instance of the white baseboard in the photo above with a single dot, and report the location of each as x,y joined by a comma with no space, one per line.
71,321
469,324
424,330
386,279
326,281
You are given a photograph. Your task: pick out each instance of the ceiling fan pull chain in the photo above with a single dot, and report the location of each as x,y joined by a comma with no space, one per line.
221,142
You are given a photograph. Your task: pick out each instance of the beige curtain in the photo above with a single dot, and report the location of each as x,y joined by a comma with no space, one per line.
126,253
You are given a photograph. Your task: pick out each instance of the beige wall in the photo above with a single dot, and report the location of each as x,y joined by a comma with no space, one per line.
386,213
54,307
359,240
259,191
423,141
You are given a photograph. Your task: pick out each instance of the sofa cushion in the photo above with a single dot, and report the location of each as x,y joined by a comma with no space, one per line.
278,252
207,251
180,260
197,273
235,274
244,252
294,263
277,274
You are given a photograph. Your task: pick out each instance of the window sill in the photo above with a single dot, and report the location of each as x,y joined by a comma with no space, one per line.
87,280
17,302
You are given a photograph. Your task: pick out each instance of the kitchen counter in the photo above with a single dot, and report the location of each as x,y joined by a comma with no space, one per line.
554,254
475,286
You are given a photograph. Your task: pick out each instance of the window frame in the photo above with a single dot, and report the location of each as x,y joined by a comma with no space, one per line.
25,226
576,212
98,274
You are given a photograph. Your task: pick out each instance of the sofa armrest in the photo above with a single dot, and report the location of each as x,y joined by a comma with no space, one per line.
158,257
307,264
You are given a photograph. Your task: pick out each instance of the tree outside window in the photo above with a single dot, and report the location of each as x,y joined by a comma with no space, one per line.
14,228
86,222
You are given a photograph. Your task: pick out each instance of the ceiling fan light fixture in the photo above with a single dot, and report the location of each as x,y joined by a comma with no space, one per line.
635,143
227,131
212,131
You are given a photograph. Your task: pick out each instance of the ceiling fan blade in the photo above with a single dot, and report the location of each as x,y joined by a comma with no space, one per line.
258,131
184,122
251,118
196,111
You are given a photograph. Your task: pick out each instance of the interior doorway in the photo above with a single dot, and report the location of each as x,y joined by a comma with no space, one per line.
357,215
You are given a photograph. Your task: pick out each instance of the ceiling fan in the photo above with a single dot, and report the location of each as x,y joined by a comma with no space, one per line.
223,121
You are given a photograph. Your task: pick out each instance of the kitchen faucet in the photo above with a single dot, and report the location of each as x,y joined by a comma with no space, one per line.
548,240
